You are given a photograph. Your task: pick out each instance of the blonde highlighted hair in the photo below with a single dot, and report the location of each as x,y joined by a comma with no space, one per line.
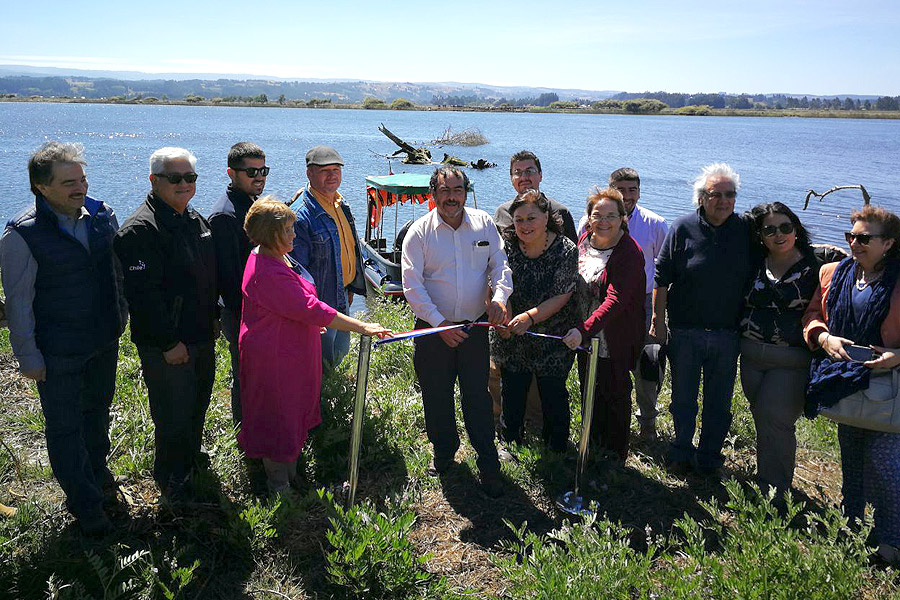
266,220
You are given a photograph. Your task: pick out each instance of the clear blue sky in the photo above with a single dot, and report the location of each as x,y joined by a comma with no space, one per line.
812,47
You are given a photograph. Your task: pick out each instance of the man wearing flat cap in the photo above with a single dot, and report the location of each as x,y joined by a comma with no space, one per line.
326,244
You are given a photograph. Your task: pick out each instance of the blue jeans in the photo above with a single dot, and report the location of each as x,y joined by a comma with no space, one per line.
75,398
335,346
714,352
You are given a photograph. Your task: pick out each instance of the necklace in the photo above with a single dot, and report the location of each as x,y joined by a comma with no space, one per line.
861,281
533,254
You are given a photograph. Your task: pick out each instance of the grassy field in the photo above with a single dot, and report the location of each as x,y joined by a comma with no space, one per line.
412,535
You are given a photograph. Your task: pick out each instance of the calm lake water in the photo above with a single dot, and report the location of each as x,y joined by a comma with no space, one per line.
778,158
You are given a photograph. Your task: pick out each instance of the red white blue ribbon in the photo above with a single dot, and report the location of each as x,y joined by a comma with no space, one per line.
409,335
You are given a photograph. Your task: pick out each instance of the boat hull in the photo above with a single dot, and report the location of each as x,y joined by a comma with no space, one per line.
382,274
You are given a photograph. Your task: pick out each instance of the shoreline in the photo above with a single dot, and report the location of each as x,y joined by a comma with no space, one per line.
712,112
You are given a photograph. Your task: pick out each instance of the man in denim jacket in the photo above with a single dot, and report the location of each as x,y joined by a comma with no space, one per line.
326,244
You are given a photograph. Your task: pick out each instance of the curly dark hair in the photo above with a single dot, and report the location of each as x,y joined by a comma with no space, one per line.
759,213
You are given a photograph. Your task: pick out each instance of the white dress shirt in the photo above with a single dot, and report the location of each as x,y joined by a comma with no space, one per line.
448,274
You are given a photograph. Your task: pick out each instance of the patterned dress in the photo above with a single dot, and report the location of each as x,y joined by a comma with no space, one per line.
535,280
773,307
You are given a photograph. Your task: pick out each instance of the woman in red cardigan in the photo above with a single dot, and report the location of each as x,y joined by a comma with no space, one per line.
611,290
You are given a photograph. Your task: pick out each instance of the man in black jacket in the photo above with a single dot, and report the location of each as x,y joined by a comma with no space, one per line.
247,170
169,260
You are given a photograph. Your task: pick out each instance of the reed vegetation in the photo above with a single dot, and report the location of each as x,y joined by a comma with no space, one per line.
412,535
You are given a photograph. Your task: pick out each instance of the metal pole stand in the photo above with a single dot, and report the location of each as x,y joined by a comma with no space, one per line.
572,502
359,408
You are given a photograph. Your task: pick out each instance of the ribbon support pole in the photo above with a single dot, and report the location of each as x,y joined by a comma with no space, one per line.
359,409
572,502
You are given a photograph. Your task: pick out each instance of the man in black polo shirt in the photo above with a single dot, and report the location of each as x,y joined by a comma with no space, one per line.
247,170
702,271
169,261
525,174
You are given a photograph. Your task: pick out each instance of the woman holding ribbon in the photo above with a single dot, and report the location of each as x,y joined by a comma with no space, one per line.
612,290
281,355
857,304
544,266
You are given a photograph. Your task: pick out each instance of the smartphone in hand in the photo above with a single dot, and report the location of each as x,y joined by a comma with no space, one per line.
860,353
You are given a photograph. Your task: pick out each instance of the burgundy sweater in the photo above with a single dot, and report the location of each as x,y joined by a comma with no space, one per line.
621,311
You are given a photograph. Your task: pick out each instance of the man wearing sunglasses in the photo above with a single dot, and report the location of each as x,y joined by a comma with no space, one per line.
327,245
247,170
169,261
66,312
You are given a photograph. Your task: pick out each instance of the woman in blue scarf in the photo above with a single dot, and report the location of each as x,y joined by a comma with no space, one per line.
858,303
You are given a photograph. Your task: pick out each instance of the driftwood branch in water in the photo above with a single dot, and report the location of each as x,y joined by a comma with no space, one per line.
811,193
414,156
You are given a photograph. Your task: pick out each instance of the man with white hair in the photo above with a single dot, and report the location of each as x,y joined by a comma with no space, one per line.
66,312
702,273
169,261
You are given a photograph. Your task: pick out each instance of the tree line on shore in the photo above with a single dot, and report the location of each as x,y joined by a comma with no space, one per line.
375,95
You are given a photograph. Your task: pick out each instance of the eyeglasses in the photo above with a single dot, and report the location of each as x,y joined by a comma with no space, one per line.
253,171
609,217
176,178
731,195
862,238
770,230
530,171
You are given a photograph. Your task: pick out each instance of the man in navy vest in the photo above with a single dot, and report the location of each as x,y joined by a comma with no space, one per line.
247,170
66,312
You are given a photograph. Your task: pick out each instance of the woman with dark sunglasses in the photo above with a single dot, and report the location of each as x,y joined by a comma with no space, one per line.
857,304
774,357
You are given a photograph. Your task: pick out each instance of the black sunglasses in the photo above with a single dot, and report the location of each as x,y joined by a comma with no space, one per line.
770,230
175,178
716,195
253,171
862,238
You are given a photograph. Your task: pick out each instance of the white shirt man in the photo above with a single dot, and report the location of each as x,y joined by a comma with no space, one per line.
455,271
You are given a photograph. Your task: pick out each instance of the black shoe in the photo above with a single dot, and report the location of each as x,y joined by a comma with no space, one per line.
492,485
113,497
711,473
95,526
679,468
441,464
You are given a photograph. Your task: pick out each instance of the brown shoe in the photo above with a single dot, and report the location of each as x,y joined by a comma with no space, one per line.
7,511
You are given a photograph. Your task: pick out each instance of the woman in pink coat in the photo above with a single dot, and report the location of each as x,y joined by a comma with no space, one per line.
281,354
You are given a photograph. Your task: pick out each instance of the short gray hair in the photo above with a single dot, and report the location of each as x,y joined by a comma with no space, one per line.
159,159
714,170
40,165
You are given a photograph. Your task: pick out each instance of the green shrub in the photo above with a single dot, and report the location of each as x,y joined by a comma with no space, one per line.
402,104
748,549
370,555
371,102
695,110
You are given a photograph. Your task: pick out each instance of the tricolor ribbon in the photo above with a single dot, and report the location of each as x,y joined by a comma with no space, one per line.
409,335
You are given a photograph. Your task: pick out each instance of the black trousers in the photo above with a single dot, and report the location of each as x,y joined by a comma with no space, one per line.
438,367
179,396
554,407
